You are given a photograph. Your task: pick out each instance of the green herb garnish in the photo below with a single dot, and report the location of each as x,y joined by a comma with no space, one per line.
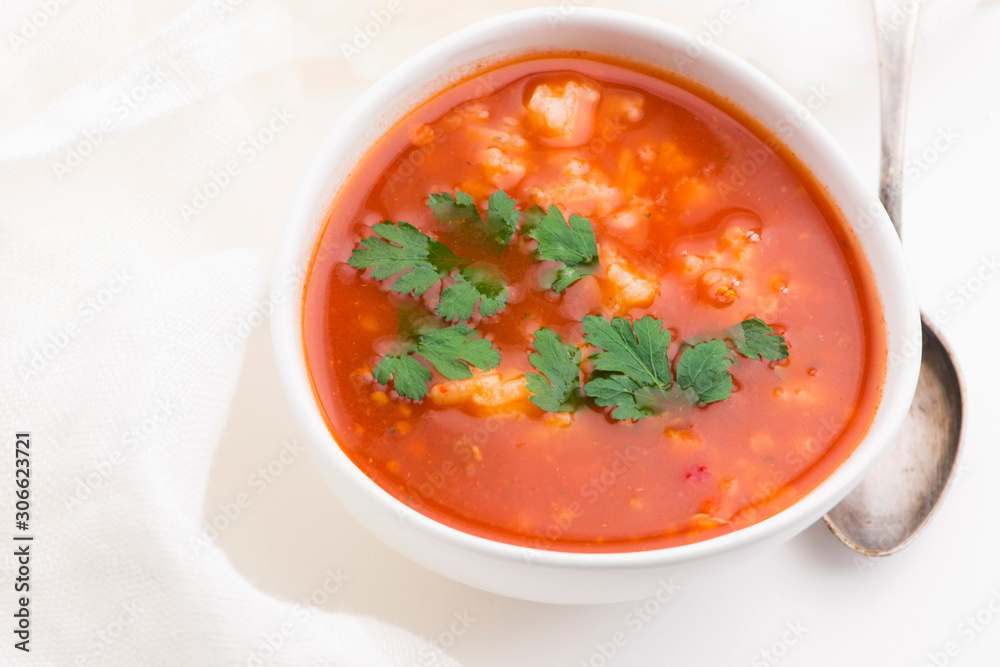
410,378
632,373
620,391
704,369
532,217
474,284
754,339
502,217
638,349
452,210
573,244
556,387
450,350
420,260
501,214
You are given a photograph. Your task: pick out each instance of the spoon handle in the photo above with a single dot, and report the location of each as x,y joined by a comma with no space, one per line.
897,29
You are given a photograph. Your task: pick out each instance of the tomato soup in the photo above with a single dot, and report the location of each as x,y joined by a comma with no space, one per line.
464,361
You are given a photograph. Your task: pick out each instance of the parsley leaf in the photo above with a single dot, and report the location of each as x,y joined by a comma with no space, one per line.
449,347
501,215
704,369
501,218
420,260
754,339
475,284
615,389
410,378
532,217
454,210
557,386
632,372
573,244
450,351
414,320
638,350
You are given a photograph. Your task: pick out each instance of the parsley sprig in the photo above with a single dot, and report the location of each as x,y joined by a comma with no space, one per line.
556,387
572,244
484,285
421,262
632,371
403,249
755,340
450,350
501,215
704,370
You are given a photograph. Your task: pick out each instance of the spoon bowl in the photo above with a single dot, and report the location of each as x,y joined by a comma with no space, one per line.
898,497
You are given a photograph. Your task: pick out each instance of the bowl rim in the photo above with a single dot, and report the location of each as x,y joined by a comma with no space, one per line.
878,239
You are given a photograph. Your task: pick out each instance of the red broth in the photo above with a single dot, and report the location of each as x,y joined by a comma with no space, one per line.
689,196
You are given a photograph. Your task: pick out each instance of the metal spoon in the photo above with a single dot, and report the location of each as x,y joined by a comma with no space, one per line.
898,497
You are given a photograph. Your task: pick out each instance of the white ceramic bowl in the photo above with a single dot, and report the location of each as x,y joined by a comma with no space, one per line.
551,576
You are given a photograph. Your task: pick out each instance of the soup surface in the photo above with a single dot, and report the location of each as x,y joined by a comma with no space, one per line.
702,359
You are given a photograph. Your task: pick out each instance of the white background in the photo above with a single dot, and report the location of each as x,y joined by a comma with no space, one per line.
903,610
